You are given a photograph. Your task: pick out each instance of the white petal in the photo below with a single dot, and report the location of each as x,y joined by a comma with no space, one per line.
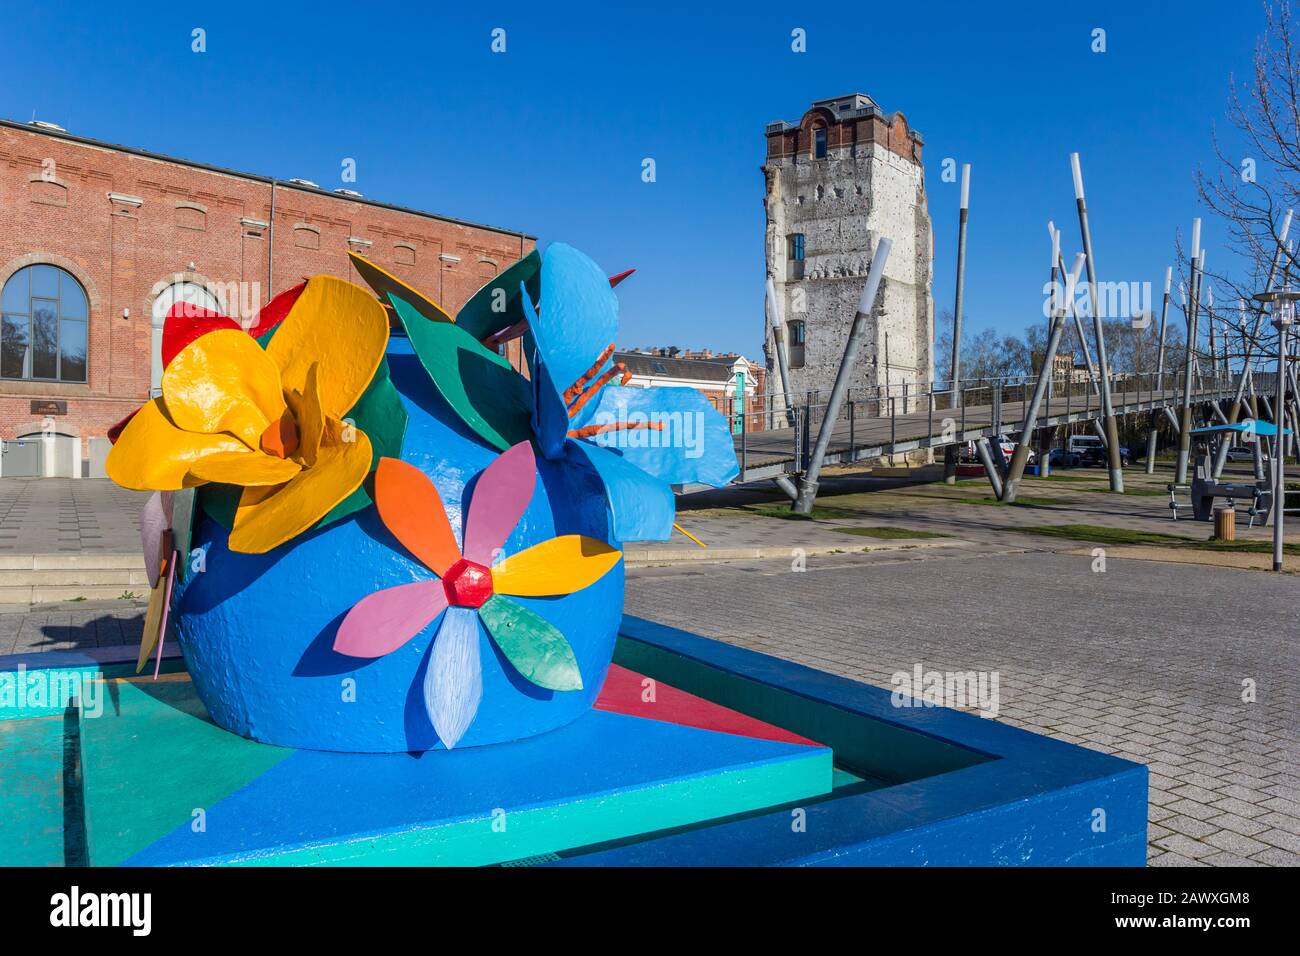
453,682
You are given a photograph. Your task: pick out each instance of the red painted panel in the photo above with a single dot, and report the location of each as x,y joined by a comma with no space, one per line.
622,694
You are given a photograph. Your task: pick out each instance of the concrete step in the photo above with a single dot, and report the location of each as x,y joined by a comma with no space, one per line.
41,578
46,594
70,562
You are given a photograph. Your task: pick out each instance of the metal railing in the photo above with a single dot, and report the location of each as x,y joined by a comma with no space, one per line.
929,415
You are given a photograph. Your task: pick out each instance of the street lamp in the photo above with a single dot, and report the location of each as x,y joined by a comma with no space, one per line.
1283,312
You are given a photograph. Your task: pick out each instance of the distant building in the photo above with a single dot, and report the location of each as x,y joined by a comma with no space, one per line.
843,177
97,241
719,378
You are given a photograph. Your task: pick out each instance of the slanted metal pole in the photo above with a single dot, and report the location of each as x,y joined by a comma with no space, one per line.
990,469
1185,421
1160,373
808,487
950,452
1103,366
1097,426
786,485
778,339
1016,471
1256,444
1234,413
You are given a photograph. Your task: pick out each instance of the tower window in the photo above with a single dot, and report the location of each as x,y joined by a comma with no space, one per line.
795,339
794,246
819,143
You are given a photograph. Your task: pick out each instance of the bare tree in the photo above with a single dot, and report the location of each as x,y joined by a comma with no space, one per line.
1252,192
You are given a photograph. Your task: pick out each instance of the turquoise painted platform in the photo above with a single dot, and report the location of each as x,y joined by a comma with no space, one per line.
159,784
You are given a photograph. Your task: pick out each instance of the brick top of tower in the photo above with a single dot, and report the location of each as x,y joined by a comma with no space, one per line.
848,121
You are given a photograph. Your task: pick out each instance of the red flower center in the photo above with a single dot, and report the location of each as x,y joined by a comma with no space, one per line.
467,584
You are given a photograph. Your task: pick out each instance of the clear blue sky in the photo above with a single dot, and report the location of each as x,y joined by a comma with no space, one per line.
548,138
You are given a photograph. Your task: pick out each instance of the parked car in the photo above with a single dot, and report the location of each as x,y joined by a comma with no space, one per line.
968,452
1079,444
1098,458
1063,458
1241,453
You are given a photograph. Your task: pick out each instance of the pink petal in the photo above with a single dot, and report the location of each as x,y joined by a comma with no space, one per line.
382,622
154,520
500,497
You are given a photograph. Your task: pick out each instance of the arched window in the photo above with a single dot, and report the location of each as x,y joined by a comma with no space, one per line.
819,143
190,293
43,336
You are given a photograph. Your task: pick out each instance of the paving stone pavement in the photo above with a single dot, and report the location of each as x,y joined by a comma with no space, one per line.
1146,661
57,515
71,626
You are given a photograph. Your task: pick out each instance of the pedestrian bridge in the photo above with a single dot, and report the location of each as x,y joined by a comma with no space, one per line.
773,441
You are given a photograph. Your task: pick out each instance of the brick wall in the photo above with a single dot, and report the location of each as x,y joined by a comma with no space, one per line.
127,225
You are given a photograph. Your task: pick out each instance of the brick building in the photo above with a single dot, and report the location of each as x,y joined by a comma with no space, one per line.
97,241
843,177
719,378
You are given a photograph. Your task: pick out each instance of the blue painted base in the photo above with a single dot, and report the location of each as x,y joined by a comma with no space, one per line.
912,786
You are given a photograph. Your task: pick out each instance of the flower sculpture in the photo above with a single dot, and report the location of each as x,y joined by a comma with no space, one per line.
471,587
576,406
268,419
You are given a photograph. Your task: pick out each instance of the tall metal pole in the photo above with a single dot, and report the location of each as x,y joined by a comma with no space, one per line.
782,358
1103,366
808,487
1209,320
1016,470
950,452
1281,322
1185,420
1160,372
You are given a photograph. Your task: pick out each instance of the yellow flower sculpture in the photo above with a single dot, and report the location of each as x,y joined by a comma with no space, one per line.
269,420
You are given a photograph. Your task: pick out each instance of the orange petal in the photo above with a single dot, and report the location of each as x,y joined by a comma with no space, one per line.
411,508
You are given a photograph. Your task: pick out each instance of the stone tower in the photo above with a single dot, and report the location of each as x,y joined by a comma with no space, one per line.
845,176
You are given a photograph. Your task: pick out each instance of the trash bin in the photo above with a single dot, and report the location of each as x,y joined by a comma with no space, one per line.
1225,524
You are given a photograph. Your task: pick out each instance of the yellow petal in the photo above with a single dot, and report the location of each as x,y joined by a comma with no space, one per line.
268,517
384,282
309,415
342,327
248,468
223,382
559,566
152,454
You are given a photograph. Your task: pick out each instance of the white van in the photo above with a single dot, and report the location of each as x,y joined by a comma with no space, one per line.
1078,444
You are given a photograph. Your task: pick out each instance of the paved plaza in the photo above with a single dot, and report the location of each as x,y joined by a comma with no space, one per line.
1190,669
1145,660
65,515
